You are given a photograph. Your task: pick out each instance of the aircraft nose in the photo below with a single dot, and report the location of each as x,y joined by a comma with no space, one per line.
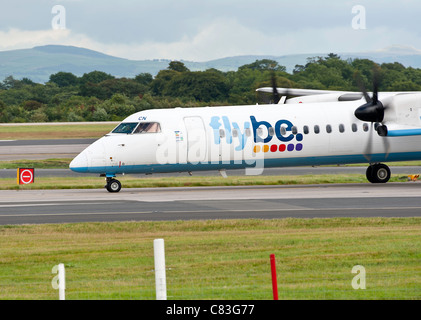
80,163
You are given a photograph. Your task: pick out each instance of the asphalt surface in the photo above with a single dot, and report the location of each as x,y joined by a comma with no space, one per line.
263,202
60,206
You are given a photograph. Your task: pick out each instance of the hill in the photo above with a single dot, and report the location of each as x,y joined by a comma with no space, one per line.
39,63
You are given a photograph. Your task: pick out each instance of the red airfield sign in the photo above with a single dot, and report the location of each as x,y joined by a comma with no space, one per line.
26,175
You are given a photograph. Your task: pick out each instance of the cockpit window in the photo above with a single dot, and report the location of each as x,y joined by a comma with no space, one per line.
125,127
136,127
148,127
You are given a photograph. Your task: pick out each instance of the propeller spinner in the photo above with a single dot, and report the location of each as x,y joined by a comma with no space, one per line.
373,109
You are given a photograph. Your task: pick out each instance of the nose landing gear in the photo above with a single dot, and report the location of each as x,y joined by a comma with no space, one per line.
113,185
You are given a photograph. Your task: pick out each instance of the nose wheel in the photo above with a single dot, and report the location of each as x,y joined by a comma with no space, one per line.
113,185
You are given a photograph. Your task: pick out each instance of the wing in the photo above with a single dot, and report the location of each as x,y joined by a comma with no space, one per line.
311,95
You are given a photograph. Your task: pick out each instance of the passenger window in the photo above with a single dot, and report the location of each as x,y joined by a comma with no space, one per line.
365,127
235,133
328,128
316,129
341,128
283,131
148,127
221,133
294,130
306,130
248,132
354,127
271,131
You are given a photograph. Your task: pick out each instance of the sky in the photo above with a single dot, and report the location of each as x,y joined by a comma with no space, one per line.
203,30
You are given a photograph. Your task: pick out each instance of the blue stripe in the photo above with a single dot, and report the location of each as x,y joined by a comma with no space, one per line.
268,163
404,133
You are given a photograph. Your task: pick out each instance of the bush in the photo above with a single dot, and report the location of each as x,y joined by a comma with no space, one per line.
100,115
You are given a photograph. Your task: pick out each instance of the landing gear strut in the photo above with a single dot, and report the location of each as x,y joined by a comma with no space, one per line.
113,185
378,173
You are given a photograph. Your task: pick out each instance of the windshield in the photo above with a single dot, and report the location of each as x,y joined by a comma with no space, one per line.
148,127
125,127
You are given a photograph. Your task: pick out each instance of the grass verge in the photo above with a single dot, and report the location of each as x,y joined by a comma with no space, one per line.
62,163
195,181
61,131
215,259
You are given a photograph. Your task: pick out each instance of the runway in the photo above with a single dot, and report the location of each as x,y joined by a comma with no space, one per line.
263,202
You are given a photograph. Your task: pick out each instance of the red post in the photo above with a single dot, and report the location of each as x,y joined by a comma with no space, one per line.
274,280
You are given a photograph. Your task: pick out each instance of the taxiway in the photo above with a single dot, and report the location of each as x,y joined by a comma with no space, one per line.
262,202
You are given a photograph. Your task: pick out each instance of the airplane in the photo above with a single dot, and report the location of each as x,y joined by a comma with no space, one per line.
302,127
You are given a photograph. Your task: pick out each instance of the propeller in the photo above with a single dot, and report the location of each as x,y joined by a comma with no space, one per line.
275,94
372,111
276,97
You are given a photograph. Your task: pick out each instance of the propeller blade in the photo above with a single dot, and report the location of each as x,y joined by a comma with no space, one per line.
358,79
386,146
376,83
369,148
275,93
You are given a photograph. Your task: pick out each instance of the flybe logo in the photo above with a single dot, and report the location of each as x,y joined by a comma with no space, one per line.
262,132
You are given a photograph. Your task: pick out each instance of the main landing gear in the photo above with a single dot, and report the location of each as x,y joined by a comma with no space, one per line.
378,173
113,185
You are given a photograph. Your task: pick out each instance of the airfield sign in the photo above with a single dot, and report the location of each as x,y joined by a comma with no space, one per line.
25,175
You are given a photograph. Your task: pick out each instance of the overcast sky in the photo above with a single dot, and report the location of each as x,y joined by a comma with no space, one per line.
201,30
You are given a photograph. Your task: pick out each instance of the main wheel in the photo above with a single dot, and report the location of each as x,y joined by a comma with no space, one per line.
369,174
378,173
113,185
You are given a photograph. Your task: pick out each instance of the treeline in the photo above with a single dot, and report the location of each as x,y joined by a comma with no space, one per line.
97,96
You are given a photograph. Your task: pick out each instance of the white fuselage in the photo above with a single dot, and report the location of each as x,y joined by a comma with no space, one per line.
256,136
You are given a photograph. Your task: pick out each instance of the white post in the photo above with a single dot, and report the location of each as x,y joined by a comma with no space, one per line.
160,278
61,282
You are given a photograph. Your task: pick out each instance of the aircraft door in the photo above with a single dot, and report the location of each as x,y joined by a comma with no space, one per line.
196,139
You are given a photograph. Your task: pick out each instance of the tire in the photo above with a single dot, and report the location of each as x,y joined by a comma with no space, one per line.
379,173
113,185
369,174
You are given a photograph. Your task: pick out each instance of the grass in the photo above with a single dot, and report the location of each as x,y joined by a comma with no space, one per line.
61,131
62,163
194,181
210,259
215,259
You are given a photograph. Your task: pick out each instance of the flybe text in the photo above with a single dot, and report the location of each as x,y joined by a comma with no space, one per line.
262,131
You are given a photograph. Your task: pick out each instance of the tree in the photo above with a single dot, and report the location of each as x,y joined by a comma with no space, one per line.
159,84
106,89
333,56
264,64
178,66
31,105
202,86
95,77
100,115
64,79
144,78
9,82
